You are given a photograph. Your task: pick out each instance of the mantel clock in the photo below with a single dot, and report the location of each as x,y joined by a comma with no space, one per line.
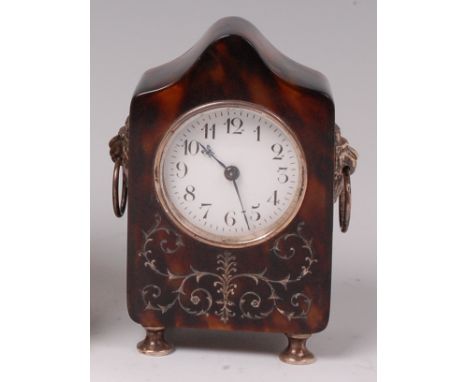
231,162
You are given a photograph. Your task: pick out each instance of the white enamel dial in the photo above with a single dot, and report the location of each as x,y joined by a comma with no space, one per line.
230,174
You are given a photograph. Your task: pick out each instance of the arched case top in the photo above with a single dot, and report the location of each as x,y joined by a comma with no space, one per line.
225,36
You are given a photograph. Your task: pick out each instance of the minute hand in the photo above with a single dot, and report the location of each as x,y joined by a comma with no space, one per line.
242,205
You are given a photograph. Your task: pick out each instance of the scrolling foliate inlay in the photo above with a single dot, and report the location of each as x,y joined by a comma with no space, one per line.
225,292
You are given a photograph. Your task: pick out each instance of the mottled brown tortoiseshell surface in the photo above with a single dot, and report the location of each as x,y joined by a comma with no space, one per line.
174,284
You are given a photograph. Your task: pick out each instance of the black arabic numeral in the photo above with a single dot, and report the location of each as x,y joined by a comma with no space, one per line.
257,214
207,206
229,218
257,130
207,130
282,177
277,150
189,195
182,169
274,198
236,125
191,147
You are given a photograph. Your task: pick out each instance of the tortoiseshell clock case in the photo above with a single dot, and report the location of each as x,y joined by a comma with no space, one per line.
281,285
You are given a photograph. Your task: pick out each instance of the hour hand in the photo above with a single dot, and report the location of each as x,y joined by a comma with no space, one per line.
208,151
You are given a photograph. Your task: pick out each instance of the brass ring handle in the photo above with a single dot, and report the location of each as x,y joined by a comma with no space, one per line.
345,200
119,206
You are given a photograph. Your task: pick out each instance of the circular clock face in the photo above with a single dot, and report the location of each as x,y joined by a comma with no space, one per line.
230,174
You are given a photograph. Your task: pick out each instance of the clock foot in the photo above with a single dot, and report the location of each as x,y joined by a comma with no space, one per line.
297,353
154,343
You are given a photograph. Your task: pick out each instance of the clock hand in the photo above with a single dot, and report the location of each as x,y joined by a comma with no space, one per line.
242,205
207,150
230,172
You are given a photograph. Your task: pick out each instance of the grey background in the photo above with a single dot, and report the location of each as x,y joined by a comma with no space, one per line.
337,38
